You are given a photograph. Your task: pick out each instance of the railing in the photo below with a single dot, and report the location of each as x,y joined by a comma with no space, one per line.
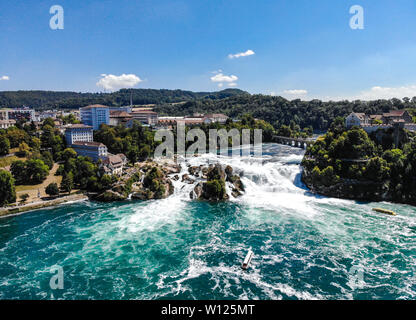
295,142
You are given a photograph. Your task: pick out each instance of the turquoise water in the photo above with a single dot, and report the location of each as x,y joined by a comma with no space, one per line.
305,247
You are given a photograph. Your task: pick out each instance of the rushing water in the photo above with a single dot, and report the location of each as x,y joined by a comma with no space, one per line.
305,247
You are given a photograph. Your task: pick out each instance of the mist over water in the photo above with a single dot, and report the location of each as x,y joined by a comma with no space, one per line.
305,246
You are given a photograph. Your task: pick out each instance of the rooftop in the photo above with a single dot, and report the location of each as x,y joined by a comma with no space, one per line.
94,106
89,144
79,126
120,114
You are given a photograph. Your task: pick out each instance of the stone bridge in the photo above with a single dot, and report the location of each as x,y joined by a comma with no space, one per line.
294,142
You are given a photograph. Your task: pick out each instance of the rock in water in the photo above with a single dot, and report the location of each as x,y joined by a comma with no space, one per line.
214,188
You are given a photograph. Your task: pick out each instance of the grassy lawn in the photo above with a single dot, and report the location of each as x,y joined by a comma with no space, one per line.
32,190
7,161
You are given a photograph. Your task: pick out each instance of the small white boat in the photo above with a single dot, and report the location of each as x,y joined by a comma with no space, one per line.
247,260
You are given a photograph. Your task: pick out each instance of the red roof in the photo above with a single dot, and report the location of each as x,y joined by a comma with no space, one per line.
119,114
396,113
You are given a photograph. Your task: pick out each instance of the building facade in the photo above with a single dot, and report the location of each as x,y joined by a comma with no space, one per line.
18,114
119,118
356,119
372,123
145,117
5,124
78,133
114,164
216,117
94,150
95,116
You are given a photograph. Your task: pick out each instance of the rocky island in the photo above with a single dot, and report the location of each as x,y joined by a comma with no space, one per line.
152,180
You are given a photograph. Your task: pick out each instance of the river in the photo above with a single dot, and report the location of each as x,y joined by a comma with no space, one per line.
305,246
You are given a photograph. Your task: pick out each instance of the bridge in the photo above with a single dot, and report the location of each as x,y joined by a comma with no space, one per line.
294,142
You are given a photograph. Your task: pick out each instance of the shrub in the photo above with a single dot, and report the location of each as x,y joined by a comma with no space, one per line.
52,189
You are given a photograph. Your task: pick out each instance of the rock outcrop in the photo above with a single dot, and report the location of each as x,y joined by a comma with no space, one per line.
214,188
149,181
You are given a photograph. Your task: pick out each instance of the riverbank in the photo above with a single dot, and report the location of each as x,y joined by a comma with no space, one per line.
4,212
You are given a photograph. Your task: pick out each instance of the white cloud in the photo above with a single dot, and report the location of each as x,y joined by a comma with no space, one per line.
296,92
4,78
221,78
241,54
112,82
224,78
387,93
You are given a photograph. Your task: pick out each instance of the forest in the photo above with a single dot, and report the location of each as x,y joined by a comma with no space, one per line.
278,111
42,100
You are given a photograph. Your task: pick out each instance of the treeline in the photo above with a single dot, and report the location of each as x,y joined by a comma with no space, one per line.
279,111
73,100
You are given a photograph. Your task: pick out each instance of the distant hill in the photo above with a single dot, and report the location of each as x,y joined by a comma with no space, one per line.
233,102
74,100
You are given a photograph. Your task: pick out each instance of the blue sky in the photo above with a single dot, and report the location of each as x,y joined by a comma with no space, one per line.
302,48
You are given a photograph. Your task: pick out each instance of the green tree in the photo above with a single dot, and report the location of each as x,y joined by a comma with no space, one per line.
23,198
18,170
24,149
67,154
4,145
144,153
52,189
67,183
7,188
47,158
36,171
48,122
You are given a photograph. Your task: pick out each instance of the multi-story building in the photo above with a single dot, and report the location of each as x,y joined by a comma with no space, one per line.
94,150
215,117
356,119
95,116
4,114
119,118
127,109
77,133
371,123
5,124
145,116
114,164
47,114
18,114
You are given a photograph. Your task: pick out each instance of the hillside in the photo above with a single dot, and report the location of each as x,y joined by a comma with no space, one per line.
74,100
279,111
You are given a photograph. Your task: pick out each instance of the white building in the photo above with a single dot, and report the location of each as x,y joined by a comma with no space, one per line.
5,124
78,133
215,117
357,119
114,164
